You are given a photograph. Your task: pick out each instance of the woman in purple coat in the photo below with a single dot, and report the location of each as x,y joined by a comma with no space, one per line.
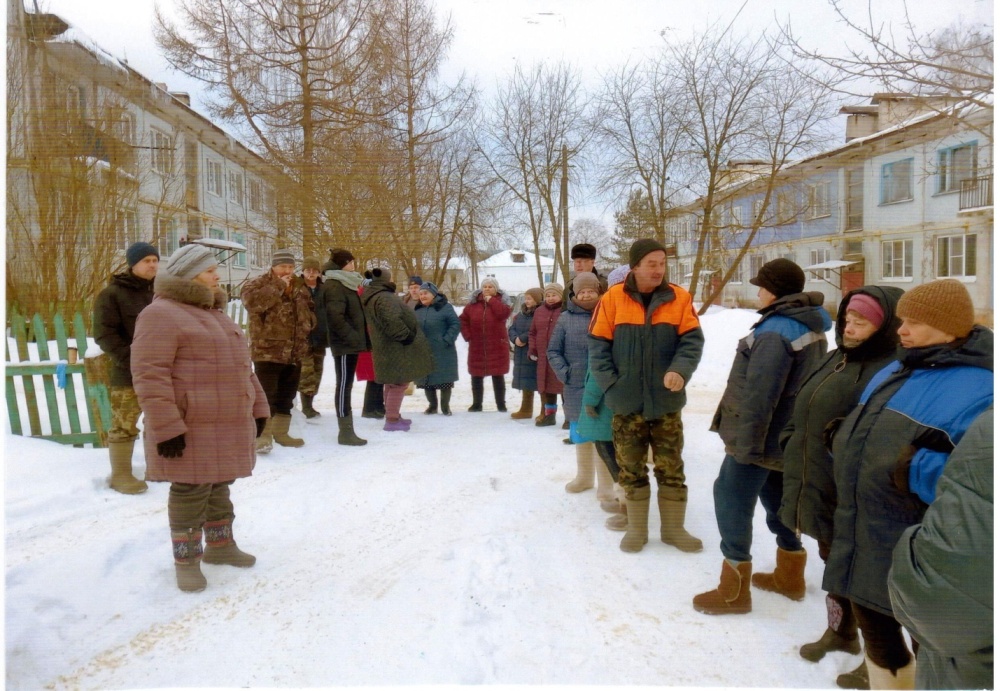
203,409
484,327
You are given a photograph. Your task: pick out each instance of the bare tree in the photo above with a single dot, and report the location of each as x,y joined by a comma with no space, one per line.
947,69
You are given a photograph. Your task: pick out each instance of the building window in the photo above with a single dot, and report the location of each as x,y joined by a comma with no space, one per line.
736,214
737,273
897,182
213,176
818,257
819,199
166,235
161,152
236,187
956,256
786,207
854,213
256,195
240,258
216,233
897,259
756,262
126,227
756,208
954,165
124,128
517,257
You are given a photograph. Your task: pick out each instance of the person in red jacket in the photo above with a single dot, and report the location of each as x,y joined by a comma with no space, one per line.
484,327
542,324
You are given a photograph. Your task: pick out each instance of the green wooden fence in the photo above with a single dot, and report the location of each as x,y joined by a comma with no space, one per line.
54,412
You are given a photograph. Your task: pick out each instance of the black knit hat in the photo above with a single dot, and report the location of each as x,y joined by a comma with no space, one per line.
138,251
640,248
415,280
780,277
583,251
341,257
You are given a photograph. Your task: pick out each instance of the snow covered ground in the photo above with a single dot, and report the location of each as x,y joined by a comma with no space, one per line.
447,555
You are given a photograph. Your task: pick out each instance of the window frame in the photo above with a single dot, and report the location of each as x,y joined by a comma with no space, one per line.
967,240
814,258
160,154
888,182
945,176
823,207
905,261
214,183
237,193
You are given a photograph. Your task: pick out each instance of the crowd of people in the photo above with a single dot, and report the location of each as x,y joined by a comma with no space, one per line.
879,449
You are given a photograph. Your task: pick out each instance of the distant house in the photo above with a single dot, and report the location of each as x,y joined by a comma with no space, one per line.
516,270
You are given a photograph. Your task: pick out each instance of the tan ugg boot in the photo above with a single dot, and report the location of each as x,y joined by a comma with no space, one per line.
882,678
637,532
788,578
281,423
732,596
605,483
122,479
584,479
527,406
672,530
265,442
187,560
857,678
220,547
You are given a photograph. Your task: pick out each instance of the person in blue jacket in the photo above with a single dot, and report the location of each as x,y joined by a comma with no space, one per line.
889,452
440,324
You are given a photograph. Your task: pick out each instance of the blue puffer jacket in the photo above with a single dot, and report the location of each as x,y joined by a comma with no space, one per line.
525,369
771,363
567,354
911,415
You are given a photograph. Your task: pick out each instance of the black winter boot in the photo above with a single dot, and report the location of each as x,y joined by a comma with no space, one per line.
432,400
477,395
500,393
446,401
374,407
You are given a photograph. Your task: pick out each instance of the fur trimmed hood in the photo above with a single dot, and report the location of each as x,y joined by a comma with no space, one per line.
188,292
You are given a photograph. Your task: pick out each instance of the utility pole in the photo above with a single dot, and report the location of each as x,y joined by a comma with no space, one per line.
564,210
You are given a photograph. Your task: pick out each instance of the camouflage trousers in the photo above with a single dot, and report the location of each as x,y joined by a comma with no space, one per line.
634,437
125,413
312,371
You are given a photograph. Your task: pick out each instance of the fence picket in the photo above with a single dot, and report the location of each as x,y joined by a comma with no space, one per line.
48,381
19,329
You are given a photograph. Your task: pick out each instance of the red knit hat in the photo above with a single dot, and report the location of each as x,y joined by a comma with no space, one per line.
868,307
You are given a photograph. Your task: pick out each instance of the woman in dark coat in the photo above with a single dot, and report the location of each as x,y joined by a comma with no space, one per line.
440,325
400,350
889,452
525,370
542,324
203,408
866,342
484,327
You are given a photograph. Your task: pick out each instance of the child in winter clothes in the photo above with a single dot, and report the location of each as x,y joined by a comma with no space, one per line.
542,324
567,355
525,370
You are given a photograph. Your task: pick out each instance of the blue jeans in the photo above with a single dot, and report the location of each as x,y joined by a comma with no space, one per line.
736,491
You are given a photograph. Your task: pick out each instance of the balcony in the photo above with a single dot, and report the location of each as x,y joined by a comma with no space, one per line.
976,193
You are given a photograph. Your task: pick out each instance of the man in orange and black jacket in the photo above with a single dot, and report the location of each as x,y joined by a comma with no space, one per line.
645,343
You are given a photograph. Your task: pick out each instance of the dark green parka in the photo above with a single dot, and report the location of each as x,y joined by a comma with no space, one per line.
400,351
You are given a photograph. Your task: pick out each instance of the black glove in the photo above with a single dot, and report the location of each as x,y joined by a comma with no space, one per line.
261,422
830,431
592,411
172,448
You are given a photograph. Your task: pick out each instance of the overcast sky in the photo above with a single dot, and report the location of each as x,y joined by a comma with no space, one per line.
491,36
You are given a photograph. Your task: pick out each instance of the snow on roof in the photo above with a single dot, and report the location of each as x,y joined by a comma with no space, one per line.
830,264
75,35
506,258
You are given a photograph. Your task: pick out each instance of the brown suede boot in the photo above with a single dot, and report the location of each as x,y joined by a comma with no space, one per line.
584,479
672,530
122,479
220,547
733,594
637,532
527,406
280,424
187,560
788,577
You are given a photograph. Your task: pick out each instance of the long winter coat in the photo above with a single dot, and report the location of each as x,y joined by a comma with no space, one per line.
941,581
484,327
567,355
785,345
543,323
633,347
911,411
280,320
192,374
440,325
525,370
345,317
115,312
594,428
830,393
400,350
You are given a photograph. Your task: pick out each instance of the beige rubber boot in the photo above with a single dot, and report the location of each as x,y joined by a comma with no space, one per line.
637,507
187,560
584,479
122,479
265,442
672,530
279,428
220,547
882,678
605,483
